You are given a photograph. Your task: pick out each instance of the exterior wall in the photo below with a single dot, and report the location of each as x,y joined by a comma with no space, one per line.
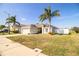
46,30
66,31
33,30
30,30
25,30
62,31
14,28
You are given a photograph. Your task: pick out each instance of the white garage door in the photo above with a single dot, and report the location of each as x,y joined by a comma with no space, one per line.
25,31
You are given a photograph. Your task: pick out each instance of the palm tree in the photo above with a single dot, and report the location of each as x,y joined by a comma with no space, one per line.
15,23
8,22
48,14
12,20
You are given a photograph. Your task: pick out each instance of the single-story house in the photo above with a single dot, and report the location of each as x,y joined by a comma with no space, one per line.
42,28
35,28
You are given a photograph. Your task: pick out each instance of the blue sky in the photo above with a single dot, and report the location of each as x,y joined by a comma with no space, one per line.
27,13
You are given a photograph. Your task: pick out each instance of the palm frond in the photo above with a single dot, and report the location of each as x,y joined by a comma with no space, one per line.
6,22
46,10
42,17
48,14
55,13
18,23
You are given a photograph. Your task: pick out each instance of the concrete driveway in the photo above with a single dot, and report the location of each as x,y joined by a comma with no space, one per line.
10,48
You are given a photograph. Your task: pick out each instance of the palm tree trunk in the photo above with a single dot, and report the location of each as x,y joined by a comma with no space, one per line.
19,29
14,26
49,24
8,28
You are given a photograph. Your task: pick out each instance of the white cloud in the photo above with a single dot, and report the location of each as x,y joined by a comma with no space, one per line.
23,19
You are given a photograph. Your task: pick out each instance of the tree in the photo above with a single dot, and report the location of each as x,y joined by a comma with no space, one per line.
2,26
12,20
76,29
48,14
15,23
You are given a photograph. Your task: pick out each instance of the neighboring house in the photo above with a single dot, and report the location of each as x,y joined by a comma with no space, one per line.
62,31
29,29
11,28
4,30
15,28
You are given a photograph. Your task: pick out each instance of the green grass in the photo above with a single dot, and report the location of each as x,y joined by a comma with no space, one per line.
52,45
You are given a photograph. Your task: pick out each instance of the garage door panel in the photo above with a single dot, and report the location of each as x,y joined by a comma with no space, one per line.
25,31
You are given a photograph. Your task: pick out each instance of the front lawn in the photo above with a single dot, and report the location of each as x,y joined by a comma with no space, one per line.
52,45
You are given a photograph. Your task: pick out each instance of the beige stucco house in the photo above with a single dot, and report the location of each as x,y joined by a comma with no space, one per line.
42,28
35,28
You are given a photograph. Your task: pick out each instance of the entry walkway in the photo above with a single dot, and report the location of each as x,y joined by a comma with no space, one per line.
10,48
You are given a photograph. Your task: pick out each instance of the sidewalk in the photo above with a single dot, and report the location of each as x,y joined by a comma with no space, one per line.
10,48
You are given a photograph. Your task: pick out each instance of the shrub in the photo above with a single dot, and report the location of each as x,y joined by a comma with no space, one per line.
15,31
76,29
51,33
72,32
